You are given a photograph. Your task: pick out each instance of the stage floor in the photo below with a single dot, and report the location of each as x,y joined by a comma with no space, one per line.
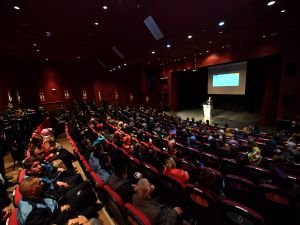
234,119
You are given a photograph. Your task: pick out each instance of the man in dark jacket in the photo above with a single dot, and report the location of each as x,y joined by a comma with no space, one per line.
119,182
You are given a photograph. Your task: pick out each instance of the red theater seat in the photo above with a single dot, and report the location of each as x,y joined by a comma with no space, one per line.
201,205
21,175
135,216
114,205
12,220
16,197
234,213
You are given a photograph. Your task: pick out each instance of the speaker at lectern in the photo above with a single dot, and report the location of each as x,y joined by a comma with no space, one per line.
207,107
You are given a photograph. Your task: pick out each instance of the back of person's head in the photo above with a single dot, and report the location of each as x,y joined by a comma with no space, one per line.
105,161
143,189
170,163
26,186
119,166
28,162
207,178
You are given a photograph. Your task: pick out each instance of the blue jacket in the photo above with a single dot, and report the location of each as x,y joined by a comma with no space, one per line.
27,207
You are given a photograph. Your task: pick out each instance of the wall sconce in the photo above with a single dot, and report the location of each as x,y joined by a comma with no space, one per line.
53,91
147,99
116,95
67,95
84,94
42,96
18,97
99,96
9,96
131,97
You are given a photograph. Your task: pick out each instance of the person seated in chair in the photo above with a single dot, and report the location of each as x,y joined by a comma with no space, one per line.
171,169
119,180
157,213
37,209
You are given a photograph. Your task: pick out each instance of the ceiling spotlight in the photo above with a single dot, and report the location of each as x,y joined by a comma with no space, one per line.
96,23
37,50
17,7
220,32
125,64
283,11
46,59
168,46
104,7
221,23
78,57
270,3
119,67
223,46
110,70
34,44
189,36
153,52
207,51
210,42
264,36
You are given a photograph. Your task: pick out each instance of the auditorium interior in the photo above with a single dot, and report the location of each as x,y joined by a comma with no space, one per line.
107,101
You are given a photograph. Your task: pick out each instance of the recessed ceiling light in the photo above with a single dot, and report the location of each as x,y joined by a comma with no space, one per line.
168,46
220,32
78,57
119,67
110,70
34,44
270,3
210,42
37,50
104,7
207,51
96,23
221,23
189,36
125,64
223,46
264,36
114,69
283,11
153,52
46,59
17,7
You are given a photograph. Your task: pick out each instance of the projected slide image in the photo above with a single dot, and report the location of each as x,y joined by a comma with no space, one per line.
226,80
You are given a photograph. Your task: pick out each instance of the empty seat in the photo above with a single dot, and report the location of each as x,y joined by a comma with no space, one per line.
201,205
276,205
210,160
257,174
239,189
234,213
229,166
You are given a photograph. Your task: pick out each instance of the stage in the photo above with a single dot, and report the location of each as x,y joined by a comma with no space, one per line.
234,119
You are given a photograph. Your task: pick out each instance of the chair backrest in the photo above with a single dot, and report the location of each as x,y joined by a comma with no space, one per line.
172,190
239,189
189,167
114,204
135,216
210,160
257,174
12,220
21,175
16,197
234,213
276,205
151,173
134,165
229,166
201,205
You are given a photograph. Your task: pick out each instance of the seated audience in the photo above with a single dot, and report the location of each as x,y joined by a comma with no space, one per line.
157,213
255,156
171,169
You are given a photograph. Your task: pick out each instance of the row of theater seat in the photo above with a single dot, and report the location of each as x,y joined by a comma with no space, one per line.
201,205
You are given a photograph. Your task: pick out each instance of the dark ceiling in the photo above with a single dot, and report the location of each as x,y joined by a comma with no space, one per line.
64,30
